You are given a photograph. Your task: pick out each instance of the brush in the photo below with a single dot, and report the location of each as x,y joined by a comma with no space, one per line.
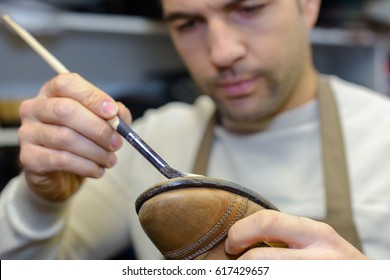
116,123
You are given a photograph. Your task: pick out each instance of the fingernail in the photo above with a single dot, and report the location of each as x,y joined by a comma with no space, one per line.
227,247
101,172
111,160
110,108
116,142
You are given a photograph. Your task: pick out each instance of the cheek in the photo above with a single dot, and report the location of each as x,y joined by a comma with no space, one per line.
196,60
279,47
265,53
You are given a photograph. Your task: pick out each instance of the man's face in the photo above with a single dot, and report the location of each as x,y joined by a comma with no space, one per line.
248,55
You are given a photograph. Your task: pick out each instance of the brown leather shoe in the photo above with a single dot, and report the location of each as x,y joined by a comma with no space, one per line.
189,217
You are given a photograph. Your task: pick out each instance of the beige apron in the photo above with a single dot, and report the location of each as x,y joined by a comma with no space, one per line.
338,203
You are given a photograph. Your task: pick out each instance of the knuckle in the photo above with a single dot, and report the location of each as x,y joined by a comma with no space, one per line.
28,132
90,97
25,108
266,219
23,157
60,161
60,83
22,133
327,230
69,85
64,138
30,160
57,84
63,108
73,86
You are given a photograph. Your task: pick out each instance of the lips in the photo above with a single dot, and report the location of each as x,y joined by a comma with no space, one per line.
237,88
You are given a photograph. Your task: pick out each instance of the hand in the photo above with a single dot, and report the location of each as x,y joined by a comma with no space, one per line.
64,136
305,238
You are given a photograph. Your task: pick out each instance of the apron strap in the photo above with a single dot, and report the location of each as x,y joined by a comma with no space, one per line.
338,203
204,150
338,198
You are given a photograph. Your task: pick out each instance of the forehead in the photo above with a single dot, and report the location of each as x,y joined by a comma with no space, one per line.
170,6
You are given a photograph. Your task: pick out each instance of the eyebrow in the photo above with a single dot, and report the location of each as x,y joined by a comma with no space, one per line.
232,4
178,15
182,15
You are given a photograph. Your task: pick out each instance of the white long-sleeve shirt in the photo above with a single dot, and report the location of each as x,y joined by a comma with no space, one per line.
283,163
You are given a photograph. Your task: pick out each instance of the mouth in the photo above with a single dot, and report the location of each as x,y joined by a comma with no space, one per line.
237,88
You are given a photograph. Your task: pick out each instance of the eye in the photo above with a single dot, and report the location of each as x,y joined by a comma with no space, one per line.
249,10
187,25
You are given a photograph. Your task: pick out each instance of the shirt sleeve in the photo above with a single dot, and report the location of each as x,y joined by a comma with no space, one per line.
93,224
26,218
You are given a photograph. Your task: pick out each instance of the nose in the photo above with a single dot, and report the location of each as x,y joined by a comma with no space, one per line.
226,44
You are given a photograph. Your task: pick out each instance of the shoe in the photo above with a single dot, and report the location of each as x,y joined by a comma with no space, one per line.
189,217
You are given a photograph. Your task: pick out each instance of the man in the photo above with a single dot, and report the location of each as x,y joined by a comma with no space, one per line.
76,195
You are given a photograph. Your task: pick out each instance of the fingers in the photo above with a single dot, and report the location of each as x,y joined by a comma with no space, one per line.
324,250
74,87
67,124
282,254
271,226
67,140
46,161
68,113
70,101
124,113
305,238
64,136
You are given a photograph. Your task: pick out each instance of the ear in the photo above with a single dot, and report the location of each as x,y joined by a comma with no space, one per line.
310,10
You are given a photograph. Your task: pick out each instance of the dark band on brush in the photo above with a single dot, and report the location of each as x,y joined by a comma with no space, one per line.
125,131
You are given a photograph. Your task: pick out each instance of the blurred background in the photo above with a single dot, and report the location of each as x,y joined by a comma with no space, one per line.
123,47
